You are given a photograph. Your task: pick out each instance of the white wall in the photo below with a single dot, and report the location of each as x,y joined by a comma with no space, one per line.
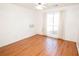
71,21
15,23
70,26
39,22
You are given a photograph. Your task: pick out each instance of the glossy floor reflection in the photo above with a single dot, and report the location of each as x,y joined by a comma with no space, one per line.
40,45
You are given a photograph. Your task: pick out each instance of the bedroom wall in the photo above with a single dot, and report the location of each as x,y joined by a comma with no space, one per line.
39,22
69,22
16,23
72,24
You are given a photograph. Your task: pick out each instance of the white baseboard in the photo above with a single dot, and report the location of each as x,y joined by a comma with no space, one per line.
11,42
77,47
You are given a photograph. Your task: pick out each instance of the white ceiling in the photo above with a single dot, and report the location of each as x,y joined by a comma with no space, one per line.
48,5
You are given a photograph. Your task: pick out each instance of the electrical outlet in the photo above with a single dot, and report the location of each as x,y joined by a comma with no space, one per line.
31,25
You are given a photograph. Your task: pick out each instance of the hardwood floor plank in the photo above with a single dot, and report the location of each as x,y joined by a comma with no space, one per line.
40,45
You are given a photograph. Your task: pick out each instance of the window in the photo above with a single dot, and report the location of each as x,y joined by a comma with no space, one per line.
52,23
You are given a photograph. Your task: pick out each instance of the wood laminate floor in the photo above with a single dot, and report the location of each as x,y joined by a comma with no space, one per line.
39,45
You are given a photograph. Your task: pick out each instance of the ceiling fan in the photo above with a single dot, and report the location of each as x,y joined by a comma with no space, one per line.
40,6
